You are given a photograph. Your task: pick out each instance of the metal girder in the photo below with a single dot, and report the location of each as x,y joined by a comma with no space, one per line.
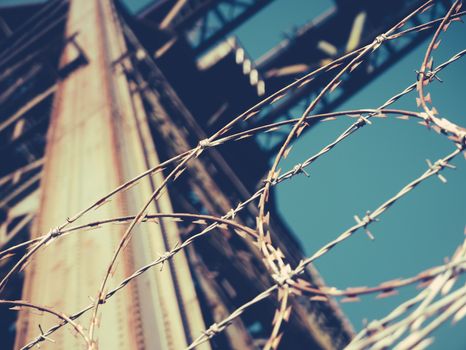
28,82
20,113
204,22
213,187
5,30
223,18
29,86
35,32
95,109
14,16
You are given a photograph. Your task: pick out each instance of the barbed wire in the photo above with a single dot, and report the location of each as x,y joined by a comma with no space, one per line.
287,280
17,305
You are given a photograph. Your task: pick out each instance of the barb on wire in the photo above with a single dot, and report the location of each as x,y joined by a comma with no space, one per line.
18,304
365,221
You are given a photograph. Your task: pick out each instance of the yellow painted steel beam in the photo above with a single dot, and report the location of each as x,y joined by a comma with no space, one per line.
354,39
172,13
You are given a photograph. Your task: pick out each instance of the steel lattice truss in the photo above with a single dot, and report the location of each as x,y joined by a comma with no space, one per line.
407,326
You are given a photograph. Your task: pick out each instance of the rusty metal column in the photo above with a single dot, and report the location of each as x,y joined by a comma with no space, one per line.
98,139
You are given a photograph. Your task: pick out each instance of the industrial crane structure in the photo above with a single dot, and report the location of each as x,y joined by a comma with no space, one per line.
92,95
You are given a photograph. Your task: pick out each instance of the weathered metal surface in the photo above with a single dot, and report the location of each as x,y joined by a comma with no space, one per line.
94,144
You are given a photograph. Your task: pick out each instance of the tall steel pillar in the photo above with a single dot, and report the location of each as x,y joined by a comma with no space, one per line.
98,138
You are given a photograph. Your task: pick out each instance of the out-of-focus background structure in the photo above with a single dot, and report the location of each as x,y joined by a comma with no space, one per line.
94,93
